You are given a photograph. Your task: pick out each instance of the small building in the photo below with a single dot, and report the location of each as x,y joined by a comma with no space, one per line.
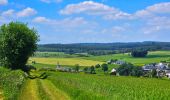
120,62
113,72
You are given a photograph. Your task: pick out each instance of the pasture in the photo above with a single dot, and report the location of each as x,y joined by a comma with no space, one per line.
65,61
155,56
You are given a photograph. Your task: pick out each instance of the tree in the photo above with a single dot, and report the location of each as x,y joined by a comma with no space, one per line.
86,69
129,69
77,67
17,43
139,53
92,70
104,67
97,66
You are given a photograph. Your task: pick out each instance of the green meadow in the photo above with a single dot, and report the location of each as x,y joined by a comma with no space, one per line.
81,86
154,56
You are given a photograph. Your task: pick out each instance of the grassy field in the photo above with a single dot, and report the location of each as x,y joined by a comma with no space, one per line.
156,56
66,61
53,55
80,86
93,87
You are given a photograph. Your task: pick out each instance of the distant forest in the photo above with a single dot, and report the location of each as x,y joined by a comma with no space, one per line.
103,48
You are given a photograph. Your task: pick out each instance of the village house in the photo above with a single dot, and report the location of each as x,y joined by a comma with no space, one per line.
159,66
162,69
118,62
113,72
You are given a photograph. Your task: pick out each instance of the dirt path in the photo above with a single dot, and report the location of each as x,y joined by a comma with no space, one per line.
32,87
52,92
29,92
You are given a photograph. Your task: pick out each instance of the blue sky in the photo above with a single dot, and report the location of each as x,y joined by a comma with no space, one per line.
84,21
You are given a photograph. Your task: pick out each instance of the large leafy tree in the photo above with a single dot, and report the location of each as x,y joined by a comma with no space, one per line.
17,43
139,53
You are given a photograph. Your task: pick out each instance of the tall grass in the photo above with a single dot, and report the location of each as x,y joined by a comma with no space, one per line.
11,83
93,87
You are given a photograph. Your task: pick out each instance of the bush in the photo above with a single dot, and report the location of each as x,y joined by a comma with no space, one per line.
97,66
11,82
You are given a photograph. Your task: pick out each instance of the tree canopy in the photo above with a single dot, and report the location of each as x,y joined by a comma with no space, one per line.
129,69
17,43
139,53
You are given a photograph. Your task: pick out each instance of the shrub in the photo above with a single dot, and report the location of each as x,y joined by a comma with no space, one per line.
11,82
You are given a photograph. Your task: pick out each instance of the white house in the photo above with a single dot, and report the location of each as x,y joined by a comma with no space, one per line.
113,72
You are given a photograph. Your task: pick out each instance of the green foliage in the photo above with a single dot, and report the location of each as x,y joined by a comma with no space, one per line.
153,73
18,43
77,67
139,53
129,70
11,82
97,66
92,70
104,67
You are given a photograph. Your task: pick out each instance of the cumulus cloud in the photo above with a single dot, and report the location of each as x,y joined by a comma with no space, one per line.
8,13
27,12
154,10
67,22
3,2
93,8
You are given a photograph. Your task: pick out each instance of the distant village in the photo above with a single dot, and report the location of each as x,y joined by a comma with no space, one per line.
161,69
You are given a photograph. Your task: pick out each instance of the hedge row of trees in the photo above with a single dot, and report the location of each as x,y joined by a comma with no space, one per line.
139,53
129,69
92,69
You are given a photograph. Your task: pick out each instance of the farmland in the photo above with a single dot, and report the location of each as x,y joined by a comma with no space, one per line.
80,86
155,56
66,61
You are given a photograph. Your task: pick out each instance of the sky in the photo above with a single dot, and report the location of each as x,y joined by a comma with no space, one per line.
91,21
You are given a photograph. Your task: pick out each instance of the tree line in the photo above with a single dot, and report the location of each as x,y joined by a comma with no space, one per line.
103,48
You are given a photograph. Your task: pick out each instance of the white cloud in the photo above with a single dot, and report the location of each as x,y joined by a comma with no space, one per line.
67,22
93,8
50,1
154,11
3,2
41,20
8,13
159,8
157,24
27,12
